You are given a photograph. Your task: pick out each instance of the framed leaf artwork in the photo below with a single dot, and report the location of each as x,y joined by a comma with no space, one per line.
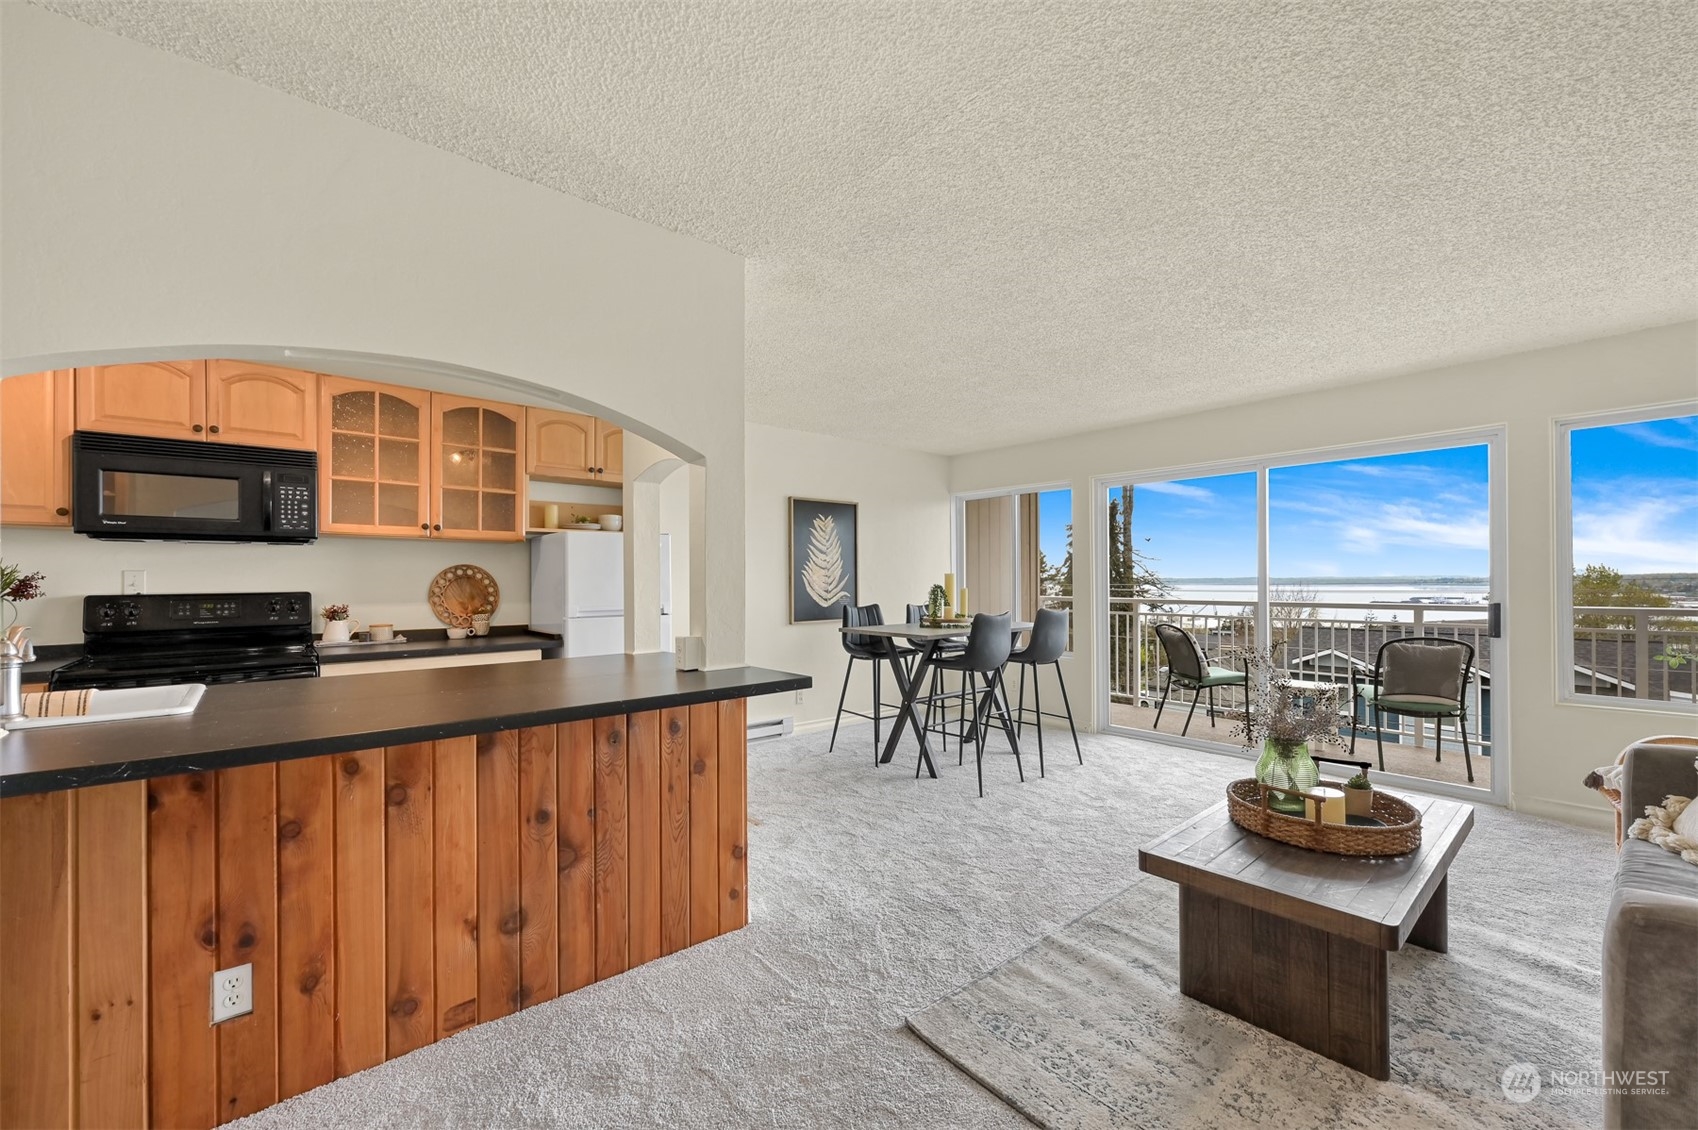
823,544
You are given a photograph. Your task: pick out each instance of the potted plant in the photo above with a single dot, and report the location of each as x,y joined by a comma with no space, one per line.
935,600
1359,796
1286,718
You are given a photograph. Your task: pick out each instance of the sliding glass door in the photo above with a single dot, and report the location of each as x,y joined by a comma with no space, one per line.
1322,561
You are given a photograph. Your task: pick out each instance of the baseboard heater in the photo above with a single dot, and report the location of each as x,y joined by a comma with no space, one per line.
764,728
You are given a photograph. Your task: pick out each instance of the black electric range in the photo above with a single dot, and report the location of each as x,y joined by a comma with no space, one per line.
159,639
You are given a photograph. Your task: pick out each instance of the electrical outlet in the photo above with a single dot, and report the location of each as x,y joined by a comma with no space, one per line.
232,992
798,698
135,581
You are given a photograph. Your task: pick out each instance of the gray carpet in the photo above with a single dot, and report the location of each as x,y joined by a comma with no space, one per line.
1087,1029
872,896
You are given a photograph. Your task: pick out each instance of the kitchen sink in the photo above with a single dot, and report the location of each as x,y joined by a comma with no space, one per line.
123,704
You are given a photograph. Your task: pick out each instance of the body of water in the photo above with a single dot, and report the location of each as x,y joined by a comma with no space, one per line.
1441,595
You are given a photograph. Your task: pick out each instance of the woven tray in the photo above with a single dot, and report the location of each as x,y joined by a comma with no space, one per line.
1247,806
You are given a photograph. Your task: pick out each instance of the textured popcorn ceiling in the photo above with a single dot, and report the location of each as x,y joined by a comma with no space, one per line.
1060,216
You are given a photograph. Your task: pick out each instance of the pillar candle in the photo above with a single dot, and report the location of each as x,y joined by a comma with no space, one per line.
961,608
1332,805
949,590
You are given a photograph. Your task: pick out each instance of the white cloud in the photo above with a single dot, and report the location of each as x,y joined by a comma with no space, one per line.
1648,536
1680,432
1183,490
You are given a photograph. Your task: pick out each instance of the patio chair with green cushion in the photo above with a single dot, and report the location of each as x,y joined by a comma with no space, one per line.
1190,668
1421,677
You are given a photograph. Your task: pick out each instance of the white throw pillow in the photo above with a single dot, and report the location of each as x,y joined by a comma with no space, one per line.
1686,824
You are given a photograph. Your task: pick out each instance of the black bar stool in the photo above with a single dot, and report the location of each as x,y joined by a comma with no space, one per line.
988,644
875,648
1045,646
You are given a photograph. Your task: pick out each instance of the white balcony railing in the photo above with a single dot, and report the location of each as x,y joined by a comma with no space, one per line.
1318,642
1636,652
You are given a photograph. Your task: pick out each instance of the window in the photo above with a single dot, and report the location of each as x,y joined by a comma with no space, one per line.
1017,551
1630,628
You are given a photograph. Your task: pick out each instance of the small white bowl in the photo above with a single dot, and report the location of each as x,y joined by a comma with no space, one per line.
613,522
458,633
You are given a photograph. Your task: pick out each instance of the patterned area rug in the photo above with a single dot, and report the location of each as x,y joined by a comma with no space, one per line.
1088,1028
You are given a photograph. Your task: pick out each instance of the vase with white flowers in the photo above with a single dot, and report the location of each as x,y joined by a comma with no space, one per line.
1286,717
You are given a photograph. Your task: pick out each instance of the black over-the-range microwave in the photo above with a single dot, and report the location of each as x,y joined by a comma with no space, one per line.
133,487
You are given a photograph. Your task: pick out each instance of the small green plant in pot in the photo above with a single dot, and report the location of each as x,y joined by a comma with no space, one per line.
935,600
1359,796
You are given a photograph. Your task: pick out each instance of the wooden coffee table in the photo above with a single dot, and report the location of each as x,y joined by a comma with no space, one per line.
1298,942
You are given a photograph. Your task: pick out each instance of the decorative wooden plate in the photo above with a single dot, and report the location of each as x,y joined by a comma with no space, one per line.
459,591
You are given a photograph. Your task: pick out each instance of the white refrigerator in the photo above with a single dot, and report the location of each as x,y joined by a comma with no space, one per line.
578,590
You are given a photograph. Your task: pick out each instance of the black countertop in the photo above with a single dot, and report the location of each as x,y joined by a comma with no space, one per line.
251,723
431,643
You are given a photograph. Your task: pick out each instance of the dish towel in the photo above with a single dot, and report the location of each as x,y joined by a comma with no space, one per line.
57,704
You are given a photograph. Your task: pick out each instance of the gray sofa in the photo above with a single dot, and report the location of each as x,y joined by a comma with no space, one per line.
1651,956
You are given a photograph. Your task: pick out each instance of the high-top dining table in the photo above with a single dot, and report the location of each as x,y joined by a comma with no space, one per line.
929,641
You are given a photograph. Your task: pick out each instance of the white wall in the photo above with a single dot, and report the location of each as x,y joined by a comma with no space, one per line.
153,207
1551,745
384,579
903,532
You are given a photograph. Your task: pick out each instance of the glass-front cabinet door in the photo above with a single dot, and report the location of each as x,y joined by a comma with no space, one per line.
480,469
374,459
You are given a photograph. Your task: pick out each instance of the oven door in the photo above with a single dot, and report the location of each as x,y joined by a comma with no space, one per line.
129,487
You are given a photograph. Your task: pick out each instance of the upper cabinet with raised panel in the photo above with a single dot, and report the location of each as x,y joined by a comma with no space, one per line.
479,471
571,447
562,444
153,398
37,417
222,401
262,405
373,459
610,441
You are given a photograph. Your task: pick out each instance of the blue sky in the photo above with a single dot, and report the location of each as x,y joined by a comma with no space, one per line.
1424,513
1635,491
1055,511
1417,514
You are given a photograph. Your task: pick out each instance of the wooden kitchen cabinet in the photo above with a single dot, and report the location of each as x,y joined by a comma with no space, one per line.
373,459
221,401
154,398
572,447
37,416
610,441
562,444
478,469
261,404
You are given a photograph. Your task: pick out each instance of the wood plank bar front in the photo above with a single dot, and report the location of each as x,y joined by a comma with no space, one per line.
387,898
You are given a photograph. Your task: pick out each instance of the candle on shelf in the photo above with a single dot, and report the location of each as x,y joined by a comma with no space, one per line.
961,609
1332,805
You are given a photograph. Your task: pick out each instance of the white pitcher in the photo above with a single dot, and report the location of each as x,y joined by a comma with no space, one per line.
339,631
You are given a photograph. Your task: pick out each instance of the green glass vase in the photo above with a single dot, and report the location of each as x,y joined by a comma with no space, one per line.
1287,766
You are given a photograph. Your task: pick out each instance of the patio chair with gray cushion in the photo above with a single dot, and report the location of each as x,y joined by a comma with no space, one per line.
1421,677
1189,667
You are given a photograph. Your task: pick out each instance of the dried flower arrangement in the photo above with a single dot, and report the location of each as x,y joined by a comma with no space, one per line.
1287,715
17,586
334,612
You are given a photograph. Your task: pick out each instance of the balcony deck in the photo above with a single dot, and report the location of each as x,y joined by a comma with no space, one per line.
1409,760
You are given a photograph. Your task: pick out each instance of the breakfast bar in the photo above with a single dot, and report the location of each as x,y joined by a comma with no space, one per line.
398,856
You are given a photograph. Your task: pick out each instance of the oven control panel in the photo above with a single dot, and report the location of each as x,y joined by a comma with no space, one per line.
160,612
